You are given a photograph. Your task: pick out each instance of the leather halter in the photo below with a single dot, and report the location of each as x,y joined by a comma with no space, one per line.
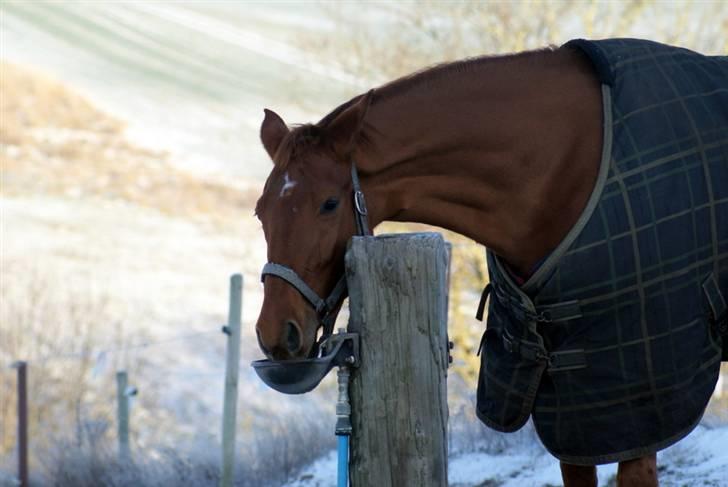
325,307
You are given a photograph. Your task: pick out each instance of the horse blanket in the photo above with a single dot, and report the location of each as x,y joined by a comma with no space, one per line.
613,346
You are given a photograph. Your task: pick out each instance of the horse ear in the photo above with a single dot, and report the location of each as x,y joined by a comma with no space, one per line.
272,131
344,129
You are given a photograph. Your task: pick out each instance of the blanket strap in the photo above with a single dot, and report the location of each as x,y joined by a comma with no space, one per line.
483,299
550,313
717,304
567,360
528,350
558,361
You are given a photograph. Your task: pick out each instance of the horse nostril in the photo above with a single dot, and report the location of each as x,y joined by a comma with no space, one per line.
293,337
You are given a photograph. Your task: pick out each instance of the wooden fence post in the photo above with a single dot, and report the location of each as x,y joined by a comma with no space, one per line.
22,384
232,366
122,415
398,305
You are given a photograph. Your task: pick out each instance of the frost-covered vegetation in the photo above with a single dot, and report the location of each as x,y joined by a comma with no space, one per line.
90,459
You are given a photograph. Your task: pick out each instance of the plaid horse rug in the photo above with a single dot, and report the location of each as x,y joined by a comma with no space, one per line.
613,346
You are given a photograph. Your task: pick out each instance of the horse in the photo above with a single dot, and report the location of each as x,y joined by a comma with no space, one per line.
529,154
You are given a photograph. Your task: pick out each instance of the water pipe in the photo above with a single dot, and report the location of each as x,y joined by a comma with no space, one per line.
343,426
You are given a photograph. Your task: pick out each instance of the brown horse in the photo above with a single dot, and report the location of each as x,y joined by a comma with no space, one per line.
504,150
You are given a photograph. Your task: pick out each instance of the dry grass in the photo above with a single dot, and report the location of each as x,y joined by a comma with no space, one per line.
44,315
411,36
90,459
54,142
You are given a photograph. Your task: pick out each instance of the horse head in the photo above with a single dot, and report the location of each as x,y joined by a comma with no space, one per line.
308,214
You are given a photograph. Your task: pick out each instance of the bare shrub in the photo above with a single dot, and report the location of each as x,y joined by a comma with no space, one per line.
263,458
467,434
411,36
55,324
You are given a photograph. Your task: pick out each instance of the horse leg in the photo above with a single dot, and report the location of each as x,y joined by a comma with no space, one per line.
640,472
578,475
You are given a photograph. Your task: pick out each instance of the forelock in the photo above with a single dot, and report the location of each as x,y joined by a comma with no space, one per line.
296,143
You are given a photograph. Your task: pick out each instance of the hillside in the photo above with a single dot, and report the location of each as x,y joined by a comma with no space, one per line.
55,143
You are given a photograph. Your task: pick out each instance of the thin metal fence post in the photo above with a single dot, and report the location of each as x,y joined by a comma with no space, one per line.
22,368
122,421
232,330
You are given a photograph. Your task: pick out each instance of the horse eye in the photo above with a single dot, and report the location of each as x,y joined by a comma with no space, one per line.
329,205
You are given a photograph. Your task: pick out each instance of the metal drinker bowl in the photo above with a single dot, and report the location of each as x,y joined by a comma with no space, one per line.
303,375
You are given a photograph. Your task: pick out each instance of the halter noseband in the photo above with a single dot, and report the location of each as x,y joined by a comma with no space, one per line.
325,307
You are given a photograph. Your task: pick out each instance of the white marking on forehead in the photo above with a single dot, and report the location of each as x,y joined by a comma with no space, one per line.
288,185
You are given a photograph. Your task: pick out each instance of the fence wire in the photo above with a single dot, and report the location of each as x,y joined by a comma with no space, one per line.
100,352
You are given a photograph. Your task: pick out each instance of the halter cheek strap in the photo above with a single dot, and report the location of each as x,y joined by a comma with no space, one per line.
325,307
360,204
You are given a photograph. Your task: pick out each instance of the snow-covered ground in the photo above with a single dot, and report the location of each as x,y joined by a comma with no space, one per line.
698,460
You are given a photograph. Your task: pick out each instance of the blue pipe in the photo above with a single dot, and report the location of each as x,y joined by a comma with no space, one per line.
343,467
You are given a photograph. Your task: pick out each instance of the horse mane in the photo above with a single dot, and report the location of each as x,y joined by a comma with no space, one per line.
306,136
429,76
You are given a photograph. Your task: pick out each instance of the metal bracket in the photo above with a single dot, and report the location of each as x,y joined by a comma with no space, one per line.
346,347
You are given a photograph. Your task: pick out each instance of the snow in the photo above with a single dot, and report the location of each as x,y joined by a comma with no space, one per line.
699,459
702,455
321,473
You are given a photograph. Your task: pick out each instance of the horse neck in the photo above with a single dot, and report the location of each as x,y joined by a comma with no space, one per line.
505,153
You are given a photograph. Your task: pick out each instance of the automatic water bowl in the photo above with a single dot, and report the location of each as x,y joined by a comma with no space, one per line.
303,375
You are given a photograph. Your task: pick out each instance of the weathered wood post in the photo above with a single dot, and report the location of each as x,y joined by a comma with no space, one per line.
22,368
122,415
398,305
232,366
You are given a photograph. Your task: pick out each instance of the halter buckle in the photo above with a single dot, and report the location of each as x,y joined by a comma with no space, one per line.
322,308
360,203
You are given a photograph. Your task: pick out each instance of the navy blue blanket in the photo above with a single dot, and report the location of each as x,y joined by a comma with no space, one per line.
614,345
